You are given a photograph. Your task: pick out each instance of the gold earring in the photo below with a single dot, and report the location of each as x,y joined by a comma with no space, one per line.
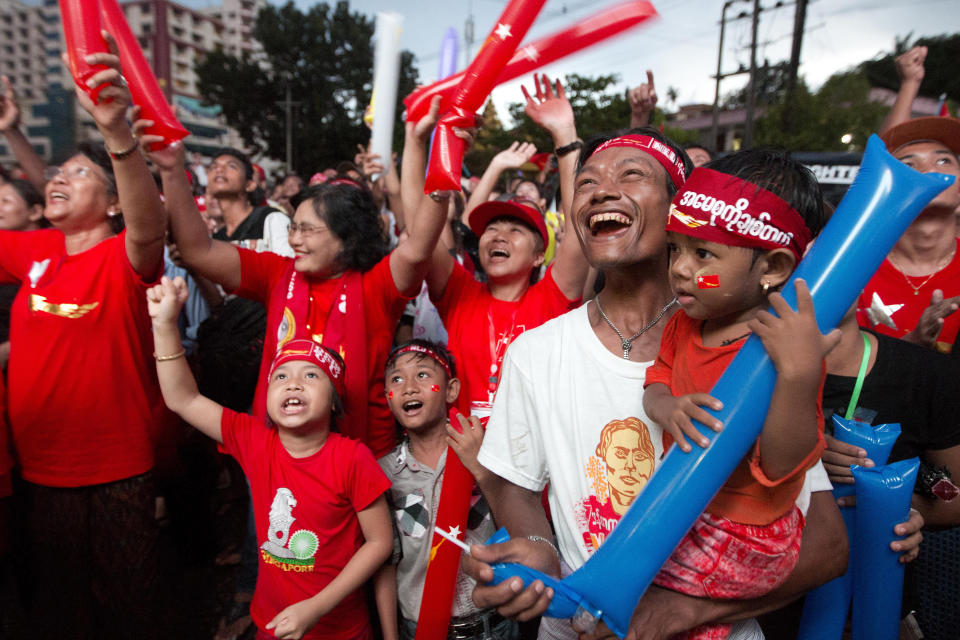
765,288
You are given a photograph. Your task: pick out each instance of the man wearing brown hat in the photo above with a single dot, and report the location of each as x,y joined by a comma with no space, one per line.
916,291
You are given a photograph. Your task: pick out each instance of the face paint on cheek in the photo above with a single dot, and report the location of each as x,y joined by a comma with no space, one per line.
390,395
711,281
435,388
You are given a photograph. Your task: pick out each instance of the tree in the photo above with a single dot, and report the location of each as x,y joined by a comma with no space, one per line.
325,57
819,120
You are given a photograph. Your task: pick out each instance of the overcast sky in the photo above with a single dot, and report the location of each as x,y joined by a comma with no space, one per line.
681,47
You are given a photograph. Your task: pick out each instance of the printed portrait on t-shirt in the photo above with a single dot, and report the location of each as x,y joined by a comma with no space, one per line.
619,469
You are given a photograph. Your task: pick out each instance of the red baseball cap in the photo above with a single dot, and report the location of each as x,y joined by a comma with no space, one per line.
522,209
940,129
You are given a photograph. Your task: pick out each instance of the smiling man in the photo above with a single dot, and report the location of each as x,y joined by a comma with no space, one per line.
567,381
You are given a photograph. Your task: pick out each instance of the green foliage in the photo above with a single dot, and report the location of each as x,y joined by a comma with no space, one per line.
819,120
325,56
940,66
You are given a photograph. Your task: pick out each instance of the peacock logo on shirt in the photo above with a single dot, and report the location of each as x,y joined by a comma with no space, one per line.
623,463
289,552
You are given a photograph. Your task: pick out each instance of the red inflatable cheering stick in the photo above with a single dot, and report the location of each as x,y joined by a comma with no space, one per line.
478,80
144,87
595,29
444,562
81,30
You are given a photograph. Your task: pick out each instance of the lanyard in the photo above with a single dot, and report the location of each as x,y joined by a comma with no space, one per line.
860,376
498,348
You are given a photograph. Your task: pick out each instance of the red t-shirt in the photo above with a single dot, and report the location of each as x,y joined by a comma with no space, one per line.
305,511
904,305
480,327
84,403
383,305
687,366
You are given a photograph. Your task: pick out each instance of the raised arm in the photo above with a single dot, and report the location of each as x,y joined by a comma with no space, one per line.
513,157
426,214
211,259
551,110
910,69
143,213
31,163
177,383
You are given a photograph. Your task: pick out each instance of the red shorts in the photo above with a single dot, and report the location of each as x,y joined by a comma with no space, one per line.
721,559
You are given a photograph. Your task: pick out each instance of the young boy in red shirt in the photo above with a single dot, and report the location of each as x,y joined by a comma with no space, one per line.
318,497
736,232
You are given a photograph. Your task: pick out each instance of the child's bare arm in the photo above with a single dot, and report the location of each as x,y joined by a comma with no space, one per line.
177,383
385,593
674,413
300,617
797,349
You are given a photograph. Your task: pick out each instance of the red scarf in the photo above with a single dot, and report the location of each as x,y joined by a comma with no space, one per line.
344,332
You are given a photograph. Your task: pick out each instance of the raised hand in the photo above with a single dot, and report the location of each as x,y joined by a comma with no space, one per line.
516,155
643,100
931,322
165,300
166,158
910,65
549,107
9,109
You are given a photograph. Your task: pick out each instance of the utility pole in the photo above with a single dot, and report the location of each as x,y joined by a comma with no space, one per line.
468,34
799,21
752,87
288,106
714,129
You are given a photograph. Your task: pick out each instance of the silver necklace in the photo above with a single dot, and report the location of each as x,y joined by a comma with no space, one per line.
627,343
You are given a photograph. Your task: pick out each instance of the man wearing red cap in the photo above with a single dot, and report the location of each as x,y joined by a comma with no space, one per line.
916,291
482,319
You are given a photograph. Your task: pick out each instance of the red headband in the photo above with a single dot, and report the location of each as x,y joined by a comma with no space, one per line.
433,355
310,351
721,208
667,157
347,181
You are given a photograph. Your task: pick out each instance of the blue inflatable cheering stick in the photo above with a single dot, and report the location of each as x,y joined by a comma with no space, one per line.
881,203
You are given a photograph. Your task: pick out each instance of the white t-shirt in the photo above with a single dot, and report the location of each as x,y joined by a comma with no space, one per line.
561,390
562,398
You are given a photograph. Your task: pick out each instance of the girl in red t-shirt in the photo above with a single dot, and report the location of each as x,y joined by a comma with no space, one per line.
317,496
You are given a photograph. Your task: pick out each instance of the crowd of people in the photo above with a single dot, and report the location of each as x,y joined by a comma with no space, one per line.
333,334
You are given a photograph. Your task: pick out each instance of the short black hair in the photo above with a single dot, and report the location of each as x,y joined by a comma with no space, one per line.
27,192
436,347
778,173
97,154
591,145
350,213
239,155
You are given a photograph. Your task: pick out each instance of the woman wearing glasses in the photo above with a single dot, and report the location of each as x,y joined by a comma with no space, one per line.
341,288
84,404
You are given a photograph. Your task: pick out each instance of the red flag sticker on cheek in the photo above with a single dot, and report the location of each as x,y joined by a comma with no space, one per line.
708,282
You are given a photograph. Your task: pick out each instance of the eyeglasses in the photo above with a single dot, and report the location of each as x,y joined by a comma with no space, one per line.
69,173
306,230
